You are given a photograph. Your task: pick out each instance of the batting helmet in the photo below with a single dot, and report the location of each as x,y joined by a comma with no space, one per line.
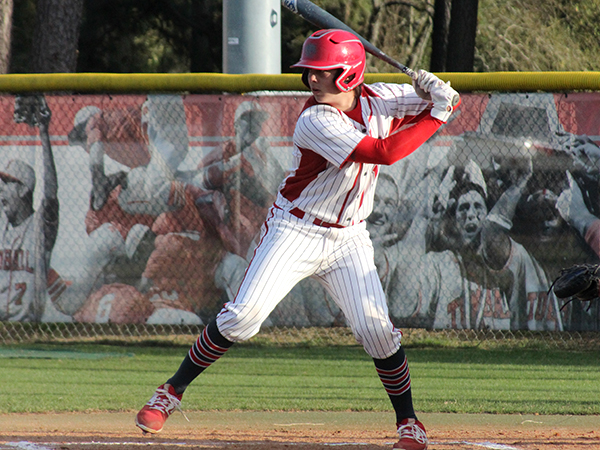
334,49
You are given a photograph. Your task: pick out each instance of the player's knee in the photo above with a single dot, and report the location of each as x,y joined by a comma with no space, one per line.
380,343
237,327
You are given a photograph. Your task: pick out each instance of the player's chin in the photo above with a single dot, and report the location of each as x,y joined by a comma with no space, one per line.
469,236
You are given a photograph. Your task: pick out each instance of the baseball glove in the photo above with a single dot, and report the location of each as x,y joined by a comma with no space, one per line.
579,281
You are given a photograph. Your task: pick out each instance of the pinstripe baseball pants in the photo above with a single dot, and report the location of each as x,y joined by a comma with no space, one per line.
341,259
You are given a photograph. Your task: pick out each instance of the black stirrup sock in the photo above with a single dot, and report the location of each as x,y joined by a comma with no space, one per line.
209,347
395,376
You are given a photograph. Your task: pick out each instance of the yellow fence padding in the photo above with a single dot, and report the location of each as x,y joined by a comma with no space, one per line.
216,82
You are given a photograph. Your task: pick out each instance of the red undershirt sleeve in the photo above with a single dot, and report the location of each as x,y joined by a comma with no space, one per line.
393,148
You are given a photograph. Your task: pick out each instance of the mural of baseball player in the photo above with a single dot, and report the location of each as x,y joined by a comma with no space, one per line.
248,176
578,204
316,226
572,203
461,268
140,219
28,235
387,225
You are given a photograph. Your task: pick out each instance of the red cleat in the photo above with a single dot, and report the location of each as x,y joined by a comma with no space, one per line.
412,435
155,413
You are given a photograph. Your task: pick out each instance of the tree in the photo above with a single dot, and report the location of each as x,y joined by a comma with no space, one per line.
529,35
151,36
6,12
186,35
439,36
460,55
56,36
205,31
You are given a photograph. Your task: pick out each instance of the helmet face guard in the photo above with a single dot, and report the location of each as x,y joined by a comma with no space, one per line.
334,49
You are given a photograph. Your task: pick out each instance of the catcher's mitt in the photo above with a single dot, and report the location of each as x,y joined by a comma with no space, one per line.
579,281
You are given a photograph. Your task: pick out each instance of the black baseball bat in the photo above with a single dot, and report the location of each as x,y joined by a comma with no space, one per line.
322,19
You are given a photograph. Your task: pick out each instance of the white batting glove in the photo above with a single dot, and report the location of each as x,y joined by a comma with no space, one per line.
423,84
443,97
429,87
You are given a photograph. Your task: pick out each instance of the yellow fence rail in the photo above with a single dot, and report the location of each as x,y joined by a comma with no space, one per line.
215,82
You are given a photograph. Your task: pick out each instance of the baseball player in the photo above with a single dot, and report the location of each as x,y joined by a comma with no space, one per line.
316,227
147,202
243,171
27,235
470,273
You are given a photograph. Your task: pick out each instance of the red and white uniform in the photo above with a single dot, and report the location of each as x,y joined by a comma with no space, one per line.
113,213
316,227
18,271
19,256
325,184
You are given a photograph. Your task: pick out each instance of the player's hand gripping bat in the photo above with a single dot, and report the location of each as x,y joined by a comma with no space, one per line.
322,19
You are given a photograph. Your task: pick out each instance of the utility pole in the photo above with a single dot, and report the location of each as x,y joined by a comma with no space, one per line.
252,36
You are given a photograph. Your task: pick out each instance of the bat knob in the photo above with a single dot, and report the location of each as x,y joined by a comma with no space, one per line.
455,100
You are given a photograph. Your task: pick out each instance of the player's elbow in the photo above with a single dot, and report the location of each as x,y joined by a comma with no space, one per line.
373,151
387,159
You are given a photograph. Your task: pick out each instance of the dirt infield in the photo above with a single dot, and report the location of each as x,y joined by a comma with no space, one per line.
297,430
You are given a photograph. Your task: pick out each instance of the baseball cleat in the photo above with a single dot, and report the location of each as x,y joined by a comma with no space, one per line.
412,435
155,413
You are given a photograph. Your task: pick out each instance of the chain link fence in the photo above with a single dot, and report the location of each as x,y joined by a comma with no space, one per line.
135,216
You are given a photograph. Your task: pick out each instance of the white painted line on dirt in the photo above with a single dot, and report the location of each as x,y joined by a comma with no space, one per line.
495,446
24,445
141,444
490,445
345,443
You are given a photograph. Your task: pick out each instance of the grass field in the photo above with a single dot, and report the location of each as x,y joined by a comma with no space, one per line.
93,377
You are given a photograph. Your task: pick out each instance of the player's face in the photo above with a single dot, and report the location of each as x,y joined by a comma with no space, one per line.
470,213
385,205
10,196
322,85
243,129
546,220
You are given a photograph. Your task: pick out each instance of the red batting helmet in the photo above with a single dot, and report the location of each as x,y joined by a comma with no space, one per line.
334,49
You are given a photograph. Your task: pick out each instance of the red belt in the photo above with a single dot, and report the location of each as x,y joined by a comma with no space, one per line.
300,215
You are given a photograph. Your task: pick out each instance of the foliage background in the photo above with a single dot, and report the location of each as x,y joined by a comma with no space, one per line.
174,36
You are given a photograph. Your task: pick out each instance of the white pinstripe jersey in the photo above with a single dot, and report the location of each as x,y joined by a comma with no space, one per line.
17,270
322,182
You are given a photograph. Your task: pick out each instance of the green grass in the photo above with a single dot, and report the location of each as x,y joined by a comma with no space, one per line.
75,377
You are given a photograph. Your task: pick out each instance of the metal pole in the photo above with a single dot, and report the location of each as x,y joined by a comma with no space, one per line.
252,36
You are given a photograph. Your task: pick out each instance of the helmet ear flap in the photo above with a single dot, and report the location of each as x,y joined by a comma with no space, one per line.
305,77
344,81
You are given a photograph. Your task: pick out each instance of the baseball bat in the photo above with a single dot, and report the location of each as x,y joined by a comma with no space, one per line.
322,19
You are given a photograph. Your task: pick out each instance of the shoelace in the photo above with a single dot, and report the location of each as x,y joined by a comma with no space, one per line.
413,431
166,402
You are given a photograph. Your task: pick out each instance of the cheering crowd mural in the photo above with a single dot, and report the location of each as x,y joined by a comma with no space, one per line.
147,208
